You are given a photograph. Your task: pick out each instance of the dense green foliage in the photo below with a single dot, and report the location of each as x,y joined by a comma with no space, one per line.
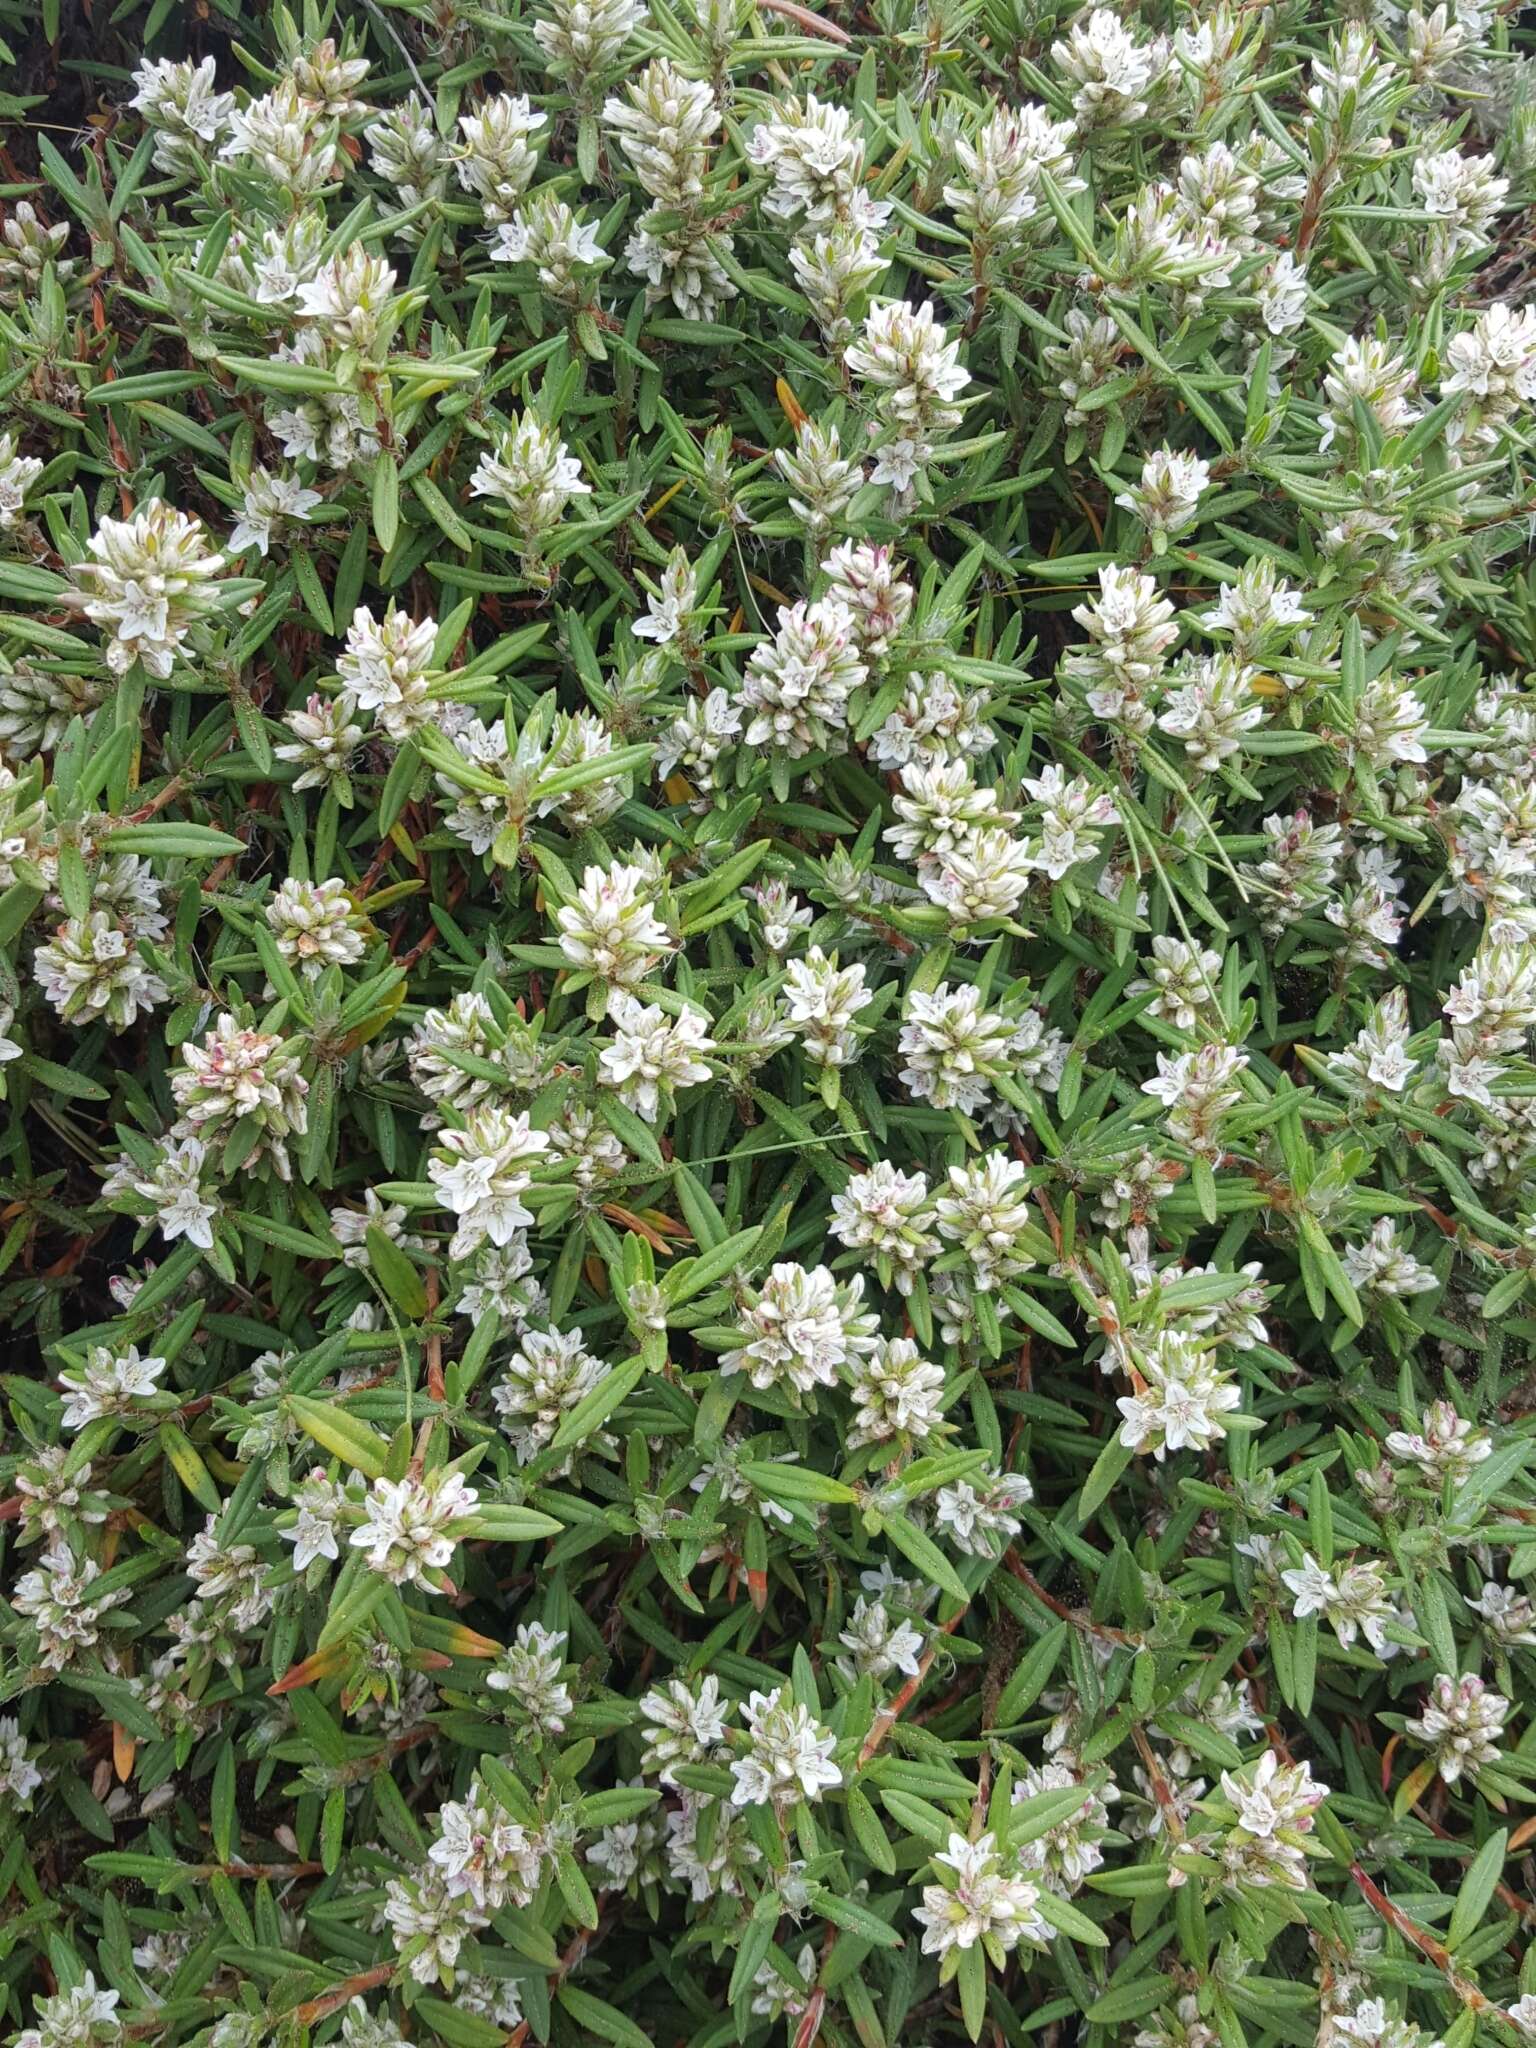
768,901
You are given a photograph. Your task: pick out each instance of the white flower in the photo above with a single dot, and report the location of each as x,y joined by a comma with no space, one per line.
18,473
940,807
428,1922
878,1643
983,877
788,1757
1001,195
822,1000
482,1170
801,1330
529,1670
282,140
92,968
407,1531
534,476
816,468
681,263
179,103
1378,1057
868,584
986,1215
362,2029
816,154
834,269
312,923
1389,724
665,130
697,737
686,1725
287,258
174,1189
350,299
1367,370
1460,1726
328,426
556,242
1352,1598
775,1997
1271,1798
57,1599
1113,73
1182,1402
652,1053
149,582
978,1514
494,159
1283,294
548,1374
1446,1446
1384,1265
385,668
582,38
108,1383
1184,981
1197,1089
324,740
896,1392
611,930
978,1900
1508,1616
408,153
914,372
1067,1854
236,1075
937,720
1493,364
319,1501
1130,629
1212,709
713,1866
19,1776
268,501
883,1211
798,684
1373,2025
1168,496
81,2017
1072,811
668,608
1463,195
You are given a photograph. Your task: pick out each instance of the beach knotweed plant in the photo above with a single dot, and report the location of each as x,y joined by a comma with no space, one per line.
767,991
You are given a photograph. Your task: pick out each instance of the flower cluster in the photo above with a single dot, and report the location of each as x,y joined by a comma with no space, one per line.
768,1024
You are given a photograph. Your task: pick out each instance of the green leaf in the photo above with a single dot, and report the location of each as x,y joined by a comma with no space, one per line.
593,1410
972,1979
1478,1888
599,2019
854,1919
345,1436
456,2026
191,842
1031,1676
795,1482
385,498
922,1551
1069,1920
1108,1467
1130,2001
395,1273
